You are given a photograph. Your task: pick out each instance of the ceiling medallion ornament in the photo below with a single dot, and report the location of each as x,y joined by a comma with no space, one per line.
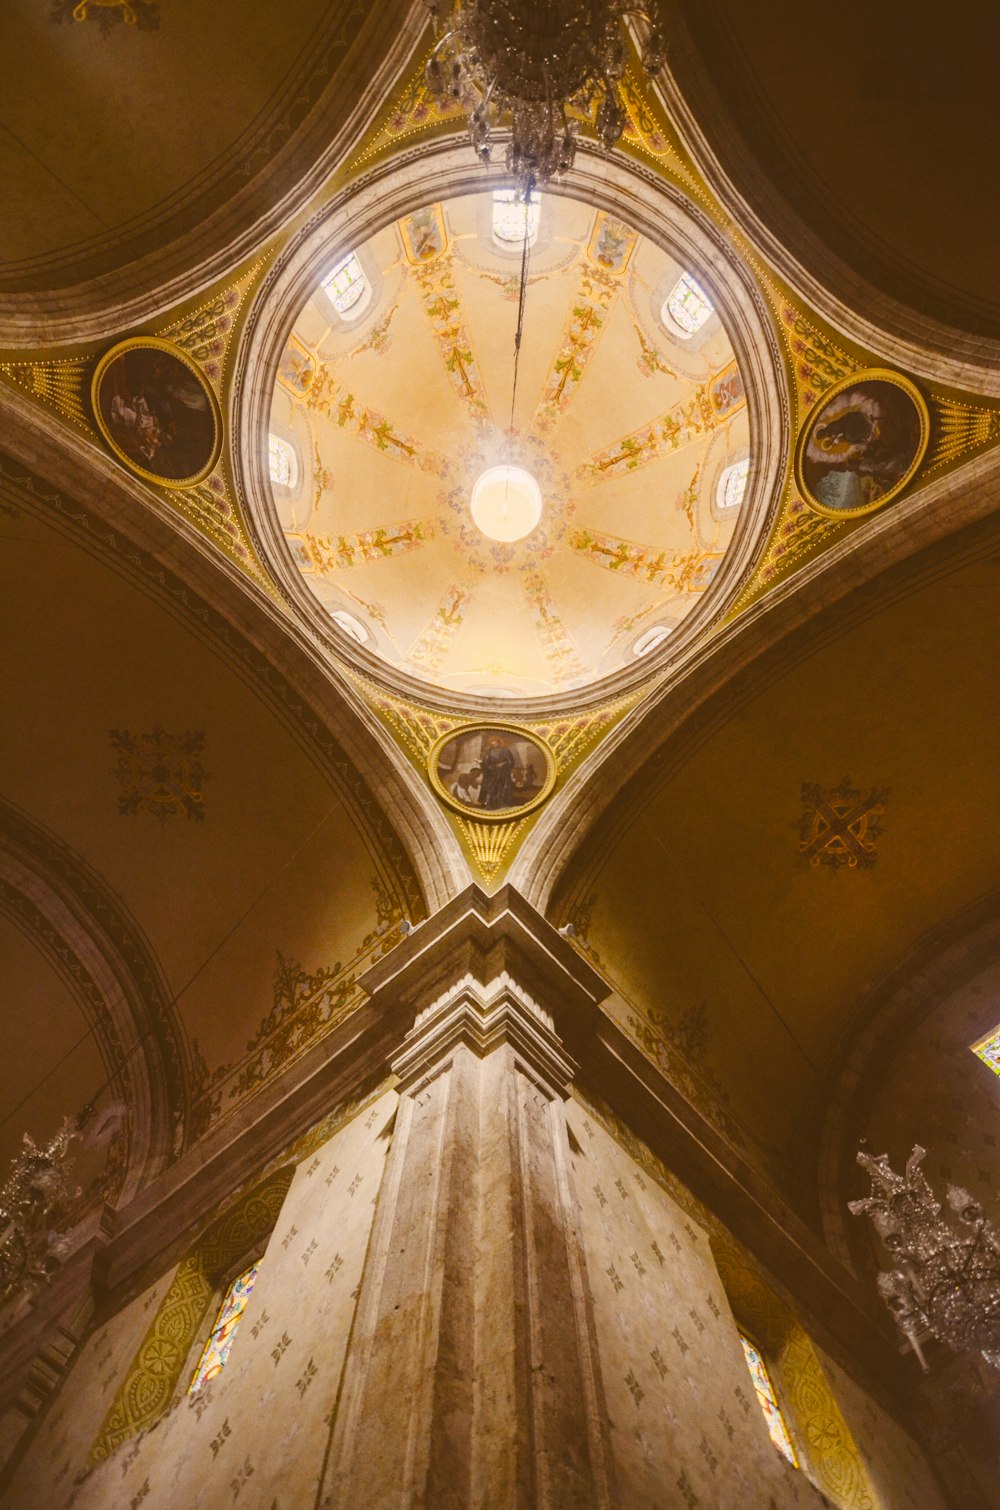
862,443
948,1280
536,61
492,771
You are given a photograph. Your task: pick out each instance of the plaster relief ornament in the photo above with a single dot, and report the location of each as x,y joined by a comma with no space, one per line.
145,14
492,771
537,64
861,444
157,412
160,773
840,827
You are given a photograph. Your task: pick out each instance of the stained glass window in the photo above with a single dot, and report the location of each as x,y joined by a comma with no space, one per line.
767,1400
282,462
216,1352
508,217
989,1051
347,285
687,306
733,485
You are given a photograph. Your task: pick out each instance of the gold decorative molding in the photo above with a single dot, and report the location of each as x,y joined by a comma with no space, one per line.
489,843
418,728
149,1387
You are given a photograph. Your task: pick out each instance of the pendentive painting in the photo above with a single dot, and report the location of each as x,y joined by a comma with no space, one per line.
492,770
157,412
862,443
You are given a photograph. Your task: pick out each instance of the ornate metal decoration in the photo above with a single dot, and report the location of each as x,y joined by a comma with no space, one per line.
537,61
948,1279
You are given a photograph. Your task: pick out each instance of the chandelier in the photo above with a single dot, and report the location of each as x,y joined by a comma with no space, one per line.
35,1192
537,61
948,1277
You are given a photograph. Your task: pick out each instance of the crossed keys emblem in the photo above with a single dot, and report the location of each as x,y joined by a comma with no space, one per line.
840,827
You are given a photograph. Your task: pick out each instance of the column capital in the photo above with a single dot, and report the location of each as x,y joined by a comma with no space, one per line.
482,1018
484,937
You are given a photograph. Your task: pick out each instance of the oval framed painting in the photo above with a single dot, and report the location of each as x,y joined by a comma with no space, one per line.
861,444
492,771
156,410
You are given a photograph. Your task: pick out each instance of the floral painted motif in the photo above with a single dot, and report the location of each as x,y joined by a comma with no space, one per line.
324,554
679,427
557,644
441,302
683,571
432,646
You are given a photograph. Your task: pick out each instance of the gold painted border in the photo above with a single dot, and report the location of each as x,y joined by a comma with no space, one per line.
499,815
135,343
867,374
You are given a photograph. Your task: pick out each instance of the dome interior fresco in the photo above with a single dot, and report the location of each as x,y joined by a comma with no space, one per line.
384,418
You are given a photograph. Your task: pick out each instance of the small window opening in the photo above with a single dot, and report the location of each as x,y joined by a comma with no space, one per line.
687,306
509,218
733,485
282,461
650,638
215,1354
768,1400
347,286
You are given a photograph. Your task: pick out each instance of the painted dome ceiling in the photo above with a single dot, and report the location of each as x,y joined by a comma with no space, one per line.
393,397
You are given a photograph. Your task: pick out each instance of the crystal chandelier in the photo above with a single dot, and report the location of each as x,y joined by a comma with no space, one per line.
948,1277
35,1190
536,61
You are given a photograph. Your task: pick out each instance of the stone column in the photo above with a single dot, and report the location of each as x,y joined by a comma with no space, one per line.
472,1376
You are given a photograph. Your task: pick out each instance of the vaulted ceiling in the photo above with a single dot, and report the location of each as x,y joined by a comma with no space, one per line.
207,830
861,141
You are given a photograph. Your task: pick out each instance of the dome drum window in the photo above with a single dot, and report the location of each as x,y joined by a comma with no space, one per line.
512,218
732,485
348,288
686,308
650,638
282,462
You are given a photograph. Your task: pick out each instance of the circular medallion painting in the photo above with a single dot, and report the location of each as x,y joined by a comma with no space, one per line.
492,770
157,412
861,444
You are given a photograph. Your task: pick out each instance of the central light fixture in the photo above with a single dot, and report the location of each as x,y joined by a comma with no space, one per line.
506,502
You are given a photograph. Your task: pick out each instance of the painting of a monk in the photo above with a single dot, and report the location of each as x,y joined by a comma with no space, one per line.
492,769
497,789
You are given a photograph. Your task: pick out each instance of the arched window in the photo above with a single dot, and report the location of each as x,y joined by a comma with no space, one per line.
732,485
650,638
348,288
282,462
768,1400
349,625
215,1353
686,307
509,218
